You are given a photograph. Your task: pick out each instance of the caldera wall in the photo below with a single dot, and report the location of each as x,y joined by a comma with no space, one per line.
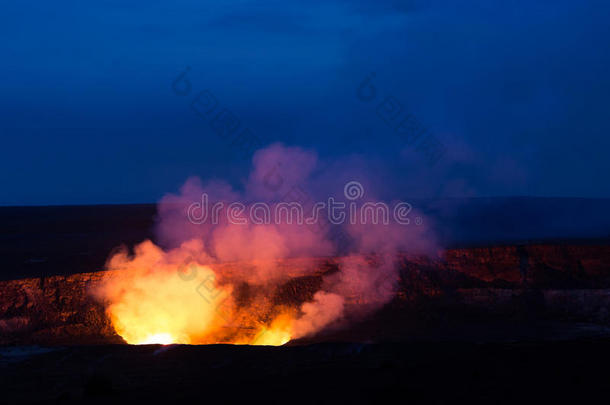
565,282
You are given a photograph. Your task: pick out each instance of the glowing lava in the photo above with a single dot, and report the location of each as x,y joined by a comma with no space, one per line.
159,338
153,298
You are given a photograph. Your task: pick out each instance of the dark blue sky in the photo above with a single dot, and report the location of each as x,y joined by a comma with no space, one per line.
516,90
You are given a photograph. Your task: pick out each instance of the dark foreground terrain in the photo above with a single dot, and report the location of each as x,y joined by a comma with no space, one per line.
409,372
518,319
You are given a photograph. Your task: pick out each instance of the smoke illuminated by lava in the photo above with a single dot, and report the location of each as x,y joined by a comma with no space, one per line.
225,283
159,297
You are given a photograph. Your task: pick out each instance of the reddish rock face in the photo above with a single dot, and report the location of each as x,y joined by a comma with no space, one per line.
568,282
56,309
540,266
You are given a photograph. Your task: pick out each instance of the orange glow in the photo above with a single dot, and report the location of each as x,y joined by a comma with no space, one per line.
159,338
154,298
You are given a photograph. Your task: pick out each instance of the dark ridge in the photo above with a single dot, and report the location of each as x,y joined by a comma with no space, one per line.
54,240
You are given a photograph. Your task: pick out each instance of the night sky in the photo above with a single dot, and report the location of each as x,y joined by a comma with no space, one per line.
516,91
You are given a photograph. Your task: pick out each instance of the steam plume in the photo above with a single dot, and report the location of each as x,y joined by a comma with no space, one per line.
149,297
